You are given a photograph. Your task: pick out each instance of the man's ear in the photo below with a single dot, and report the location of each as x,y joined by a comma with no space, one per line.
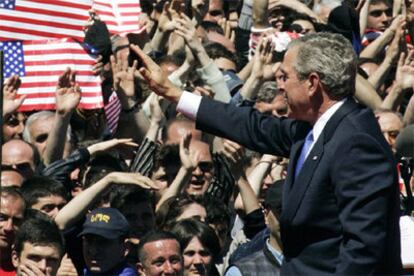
15,259
140,269
313,83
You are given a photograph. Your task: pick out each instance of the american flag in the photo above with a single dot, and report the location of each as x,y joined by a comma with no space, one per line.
42,19
39,65
120,16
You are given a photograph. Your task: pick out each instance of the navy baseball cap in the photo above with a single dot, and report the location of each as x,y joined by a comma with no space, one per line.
106,222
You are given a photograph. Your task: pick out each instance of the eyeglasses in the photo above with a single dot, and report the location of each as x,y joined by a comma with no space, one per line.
23,168
206,166
378,13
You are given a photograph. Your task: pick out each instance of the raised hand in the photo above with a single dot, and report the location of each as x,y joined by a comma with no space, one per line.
106,145
263,58
123,76
156,79
157,116
234,154
185,28
11,101
68,92
133,179
189,158
166,21
405,70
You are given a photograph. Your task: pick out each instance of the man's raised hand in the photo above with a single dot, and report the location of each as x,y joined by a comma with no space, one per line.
156,79
68,92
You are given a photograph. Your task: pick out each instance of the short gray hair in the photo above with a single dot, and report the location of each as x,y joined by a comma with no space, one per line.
332,57
41,115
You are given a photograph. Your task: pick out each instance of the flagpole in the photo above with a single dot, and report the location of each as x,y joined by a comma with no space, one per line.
1,104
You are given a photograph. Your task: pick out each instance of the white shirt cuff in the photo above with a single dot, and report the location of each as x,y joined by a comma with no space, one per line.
189,104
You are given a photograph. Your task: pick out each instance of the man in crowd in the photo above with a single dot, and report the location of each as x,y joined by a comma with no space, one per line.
12,209
104,237
159,254
44,194
39,247
341,167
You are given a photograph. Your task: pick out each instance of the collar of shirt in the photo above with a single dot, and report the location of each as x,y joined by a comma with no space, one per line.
323,120
276,253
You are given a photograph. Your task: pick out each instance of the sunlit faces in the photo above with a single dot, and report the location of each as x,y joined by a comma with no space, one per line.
379,16
13,126
162,257
203,173
390,125
39,132
44,259
197,258
50,205
11,216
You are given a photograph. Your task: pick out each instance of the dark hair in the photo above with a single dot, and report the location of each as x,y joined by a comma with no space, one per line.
172,208
121,195
217,50
167,155
187,229
40,230
176,58
210,26
156,235
12,191
217,211
41,186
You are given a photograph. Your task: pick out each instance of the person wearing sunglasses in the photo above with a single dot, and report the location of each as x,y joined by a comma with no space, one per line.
379,15
19,156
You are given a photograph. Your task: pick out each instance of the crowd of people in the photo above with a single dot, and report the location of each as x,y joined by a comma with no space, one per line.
254,137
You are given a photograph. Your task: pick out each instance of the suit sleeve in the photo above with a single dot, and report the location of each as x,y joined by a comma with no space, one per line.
250,128
365,184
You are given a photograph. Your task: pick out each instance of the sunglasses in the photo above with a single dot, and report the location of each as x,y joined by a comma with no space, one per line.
378,13
205,166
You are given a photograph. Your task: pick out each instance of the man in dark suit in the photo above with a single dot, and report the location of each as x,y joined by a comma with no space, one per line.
340,211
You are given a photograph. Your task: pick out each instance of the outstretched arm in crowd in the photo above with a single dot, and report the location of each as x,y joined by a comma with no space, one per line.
376,46
189,161
12,102
166,24
255,181
404,79
68,95
366,94
209,72
79,205
132,121
377,78
363,15
260,72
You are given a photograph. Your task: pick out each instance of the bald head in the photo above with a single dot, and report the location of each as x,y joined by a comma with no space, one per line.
20,156
178,128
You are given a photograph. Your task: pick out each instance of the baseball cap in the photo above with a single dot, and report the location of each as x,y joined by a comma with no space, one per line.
106,222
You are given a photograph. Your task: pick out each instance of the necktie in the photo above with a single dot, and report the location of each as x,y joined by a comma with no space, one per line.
304,153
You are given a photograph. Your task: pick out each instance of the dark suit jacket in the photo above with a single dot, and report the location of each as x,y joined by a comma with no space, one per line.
341,214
